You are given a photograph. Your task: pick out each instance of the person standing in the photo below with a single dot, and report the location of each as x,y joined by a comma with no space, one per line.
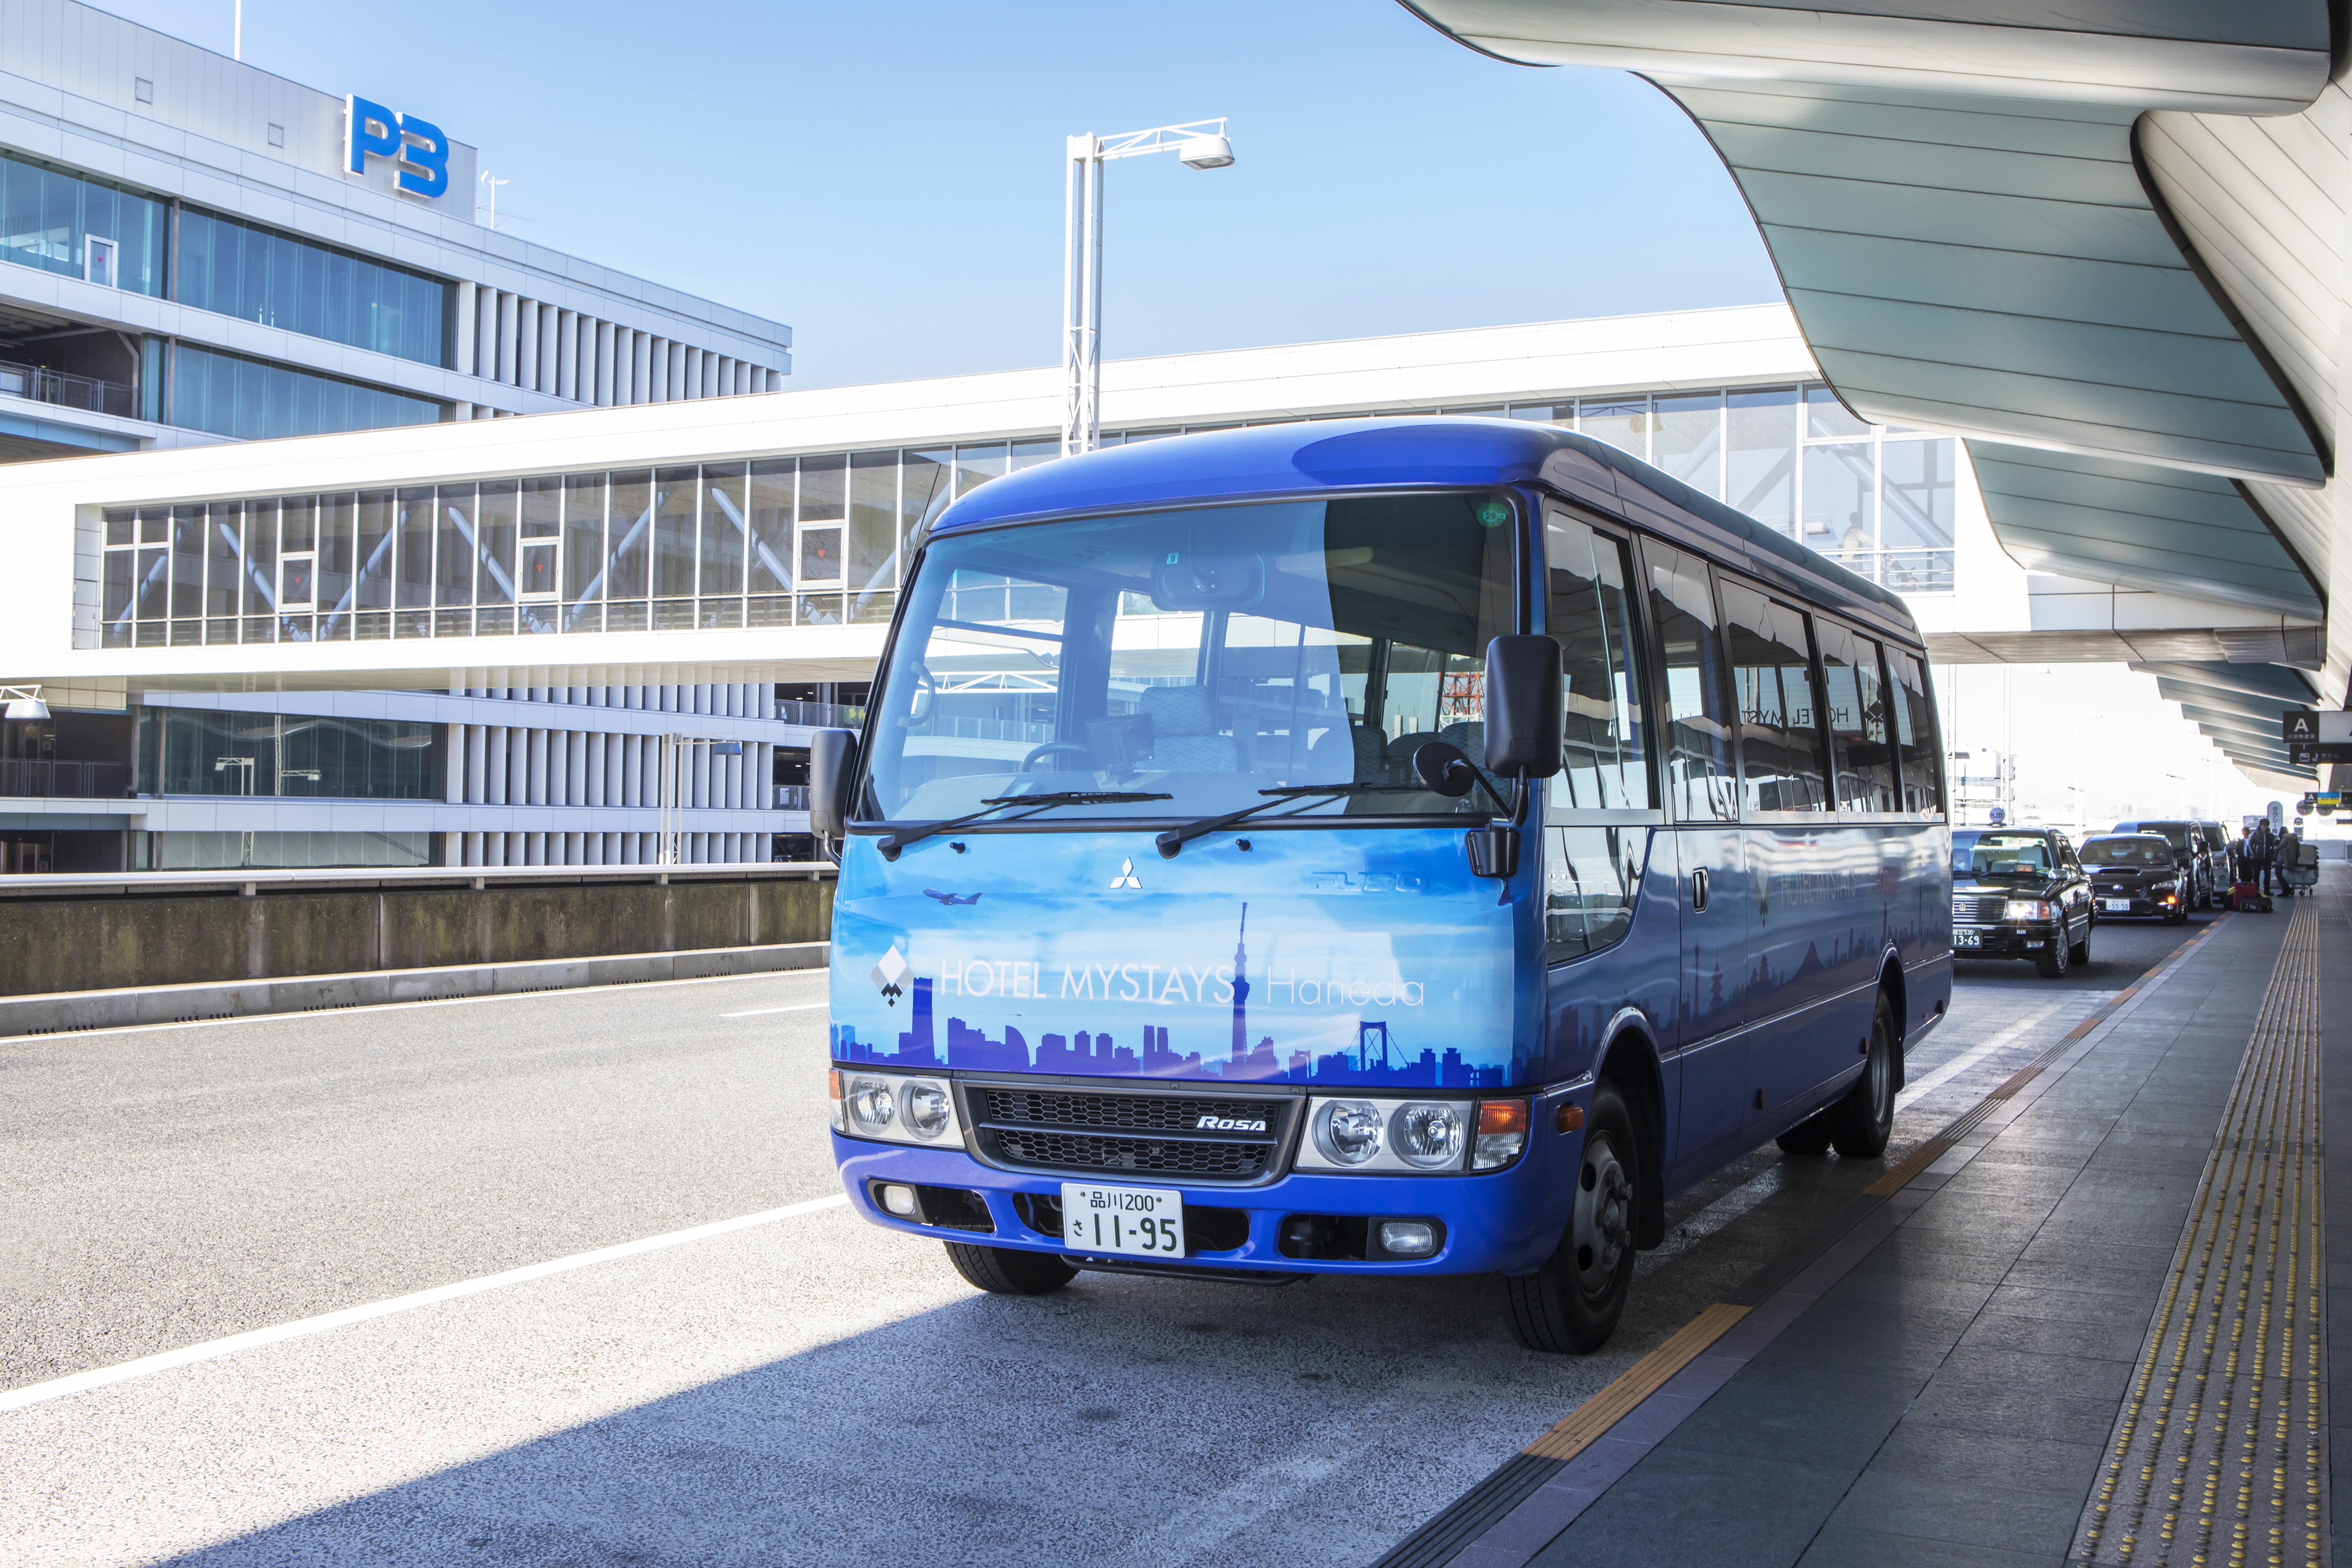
2258,855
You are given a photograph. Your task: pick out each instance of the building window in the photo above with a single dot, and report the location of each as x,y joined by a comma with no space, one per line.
252,399
279,279
223,851
143,90
187,751
48,216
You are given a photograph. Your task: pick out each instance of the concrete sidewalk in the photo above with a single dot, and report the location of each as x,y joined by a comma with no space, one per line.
1960,1370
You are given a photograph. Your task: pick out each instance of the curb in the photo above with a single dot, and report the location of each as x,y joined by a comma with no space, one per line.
64,1012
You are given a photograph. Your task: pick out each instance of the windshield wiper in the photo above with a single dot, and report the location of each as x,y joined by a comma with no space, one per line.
892,843
1173,841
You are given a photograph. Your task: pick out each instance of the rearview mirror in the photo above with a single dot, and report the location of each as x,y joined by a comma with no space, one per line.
833,763
1526,707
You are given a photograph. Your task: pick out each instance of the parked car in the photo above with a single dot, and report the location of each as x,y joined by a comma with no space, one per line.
2136,874
2201,889
2020,892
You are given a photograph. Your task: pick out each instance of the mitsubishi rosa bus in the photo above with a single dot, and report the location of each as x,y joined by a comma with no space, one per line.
1371,847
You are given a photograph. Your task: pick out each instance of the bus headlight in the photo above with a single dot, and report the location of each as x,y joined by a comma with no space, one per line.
895,1107
1426,1134
1348,1132
925,1105
871,1105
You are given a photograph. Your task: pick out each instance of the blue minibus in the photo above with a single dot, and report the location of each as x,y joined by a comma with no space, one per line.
1386,846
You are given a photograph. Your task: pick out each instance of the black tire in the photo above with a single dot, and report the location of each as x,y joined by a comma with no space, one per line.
1572,1303
2051,961
2081,952
1811,1136
2179,915
1002,1271
1861,1122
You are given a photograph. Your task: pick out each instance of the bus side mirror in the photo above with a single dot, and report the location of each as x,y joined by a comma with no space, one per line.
1526,707
833,763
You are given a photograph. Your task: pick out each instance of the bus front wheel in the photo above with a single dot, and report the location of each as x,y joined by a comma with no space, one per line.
1002,1271
1573,1301
1861,1123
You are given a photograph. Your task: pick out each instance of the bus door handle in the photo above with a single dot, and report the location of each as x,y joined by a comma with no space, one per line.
1698,889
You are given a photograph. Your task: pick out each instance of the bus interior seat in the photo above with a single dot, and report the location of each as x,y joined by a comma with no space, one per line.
1184,737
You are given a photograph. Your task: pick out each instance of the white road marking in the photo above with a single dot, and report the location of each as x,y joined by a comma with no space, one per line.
763,1011
558,994
211,1350
1913,1091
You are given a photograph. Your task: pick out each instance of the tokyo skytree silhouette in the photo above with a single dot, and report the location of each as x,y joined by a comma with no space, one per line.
1240,988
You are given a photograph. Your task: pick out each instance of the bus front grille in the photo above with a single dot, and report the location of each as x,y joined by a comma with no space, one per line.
1196,1137
1166,1157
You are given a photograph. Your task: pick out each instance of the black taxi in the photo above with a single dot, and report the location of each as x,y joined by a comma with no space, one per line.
2020,892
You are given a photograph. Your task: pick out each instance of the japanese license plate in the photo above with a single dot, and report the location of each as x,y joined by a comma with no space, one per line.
1966,936
1139,1222
2118,906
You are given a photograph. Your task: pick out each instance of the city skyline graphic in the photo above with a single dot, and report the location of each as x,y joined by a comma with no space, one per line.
1380,1054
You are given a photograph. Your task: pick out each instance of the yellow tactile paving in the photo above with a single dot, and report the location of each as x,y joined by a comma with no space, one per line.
2219,1453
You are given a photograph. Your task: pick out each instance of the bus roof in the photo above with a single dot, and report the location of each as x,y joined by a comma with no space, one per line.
1308,459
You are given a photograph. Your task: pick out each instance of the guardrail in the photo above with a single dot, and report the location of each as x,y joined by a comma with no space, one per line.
40,778
255,880
820,715
86,393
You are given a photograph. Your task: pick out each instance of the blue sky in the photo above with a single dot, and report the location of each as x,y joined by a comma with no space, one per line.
886,178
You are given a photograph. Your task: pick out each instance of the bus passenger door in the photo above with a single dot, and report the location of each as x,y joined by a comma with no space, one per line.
1715,1072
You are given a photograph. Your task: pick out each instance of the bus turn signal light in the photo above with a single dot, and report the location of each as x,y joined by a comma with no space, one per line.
1502,1134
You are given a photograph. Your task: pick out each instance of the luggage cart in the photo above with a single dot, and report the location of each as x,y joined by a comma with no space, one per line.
2303,872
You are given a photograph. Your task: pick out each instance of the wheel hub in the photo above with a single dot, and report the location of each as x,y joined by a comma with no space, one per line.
1603,1226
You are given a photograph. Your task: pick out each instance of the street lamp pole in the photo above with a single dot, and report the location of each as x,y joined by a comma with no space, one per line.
1198,145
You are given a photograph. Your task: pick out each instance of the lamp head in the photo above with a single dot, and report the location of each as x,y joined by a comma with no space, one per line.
1205,152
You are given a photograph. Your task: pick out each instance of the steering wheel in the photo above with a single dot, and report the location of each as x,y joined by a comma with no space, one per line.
1029,762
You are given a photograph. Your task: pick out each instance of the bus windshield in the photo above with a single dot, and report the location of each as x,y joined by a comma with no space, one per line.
1206,654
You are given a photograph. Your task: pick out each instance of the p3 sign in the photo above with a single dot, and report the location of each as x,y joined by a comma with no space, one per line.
420,149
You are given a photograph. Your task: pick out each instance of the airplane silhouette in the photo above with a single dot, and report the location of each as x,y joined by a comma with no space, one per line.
950,898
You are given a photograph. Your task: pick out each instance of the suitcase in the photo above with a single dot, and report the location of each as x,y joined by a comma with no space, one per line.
2249,898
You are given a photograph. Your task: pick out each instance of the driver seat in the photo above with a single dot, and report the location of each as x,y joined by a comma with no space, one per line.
1184,738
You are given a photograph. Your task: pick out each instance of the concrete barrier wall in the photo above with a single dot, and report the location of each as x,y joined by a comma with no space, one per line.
120,939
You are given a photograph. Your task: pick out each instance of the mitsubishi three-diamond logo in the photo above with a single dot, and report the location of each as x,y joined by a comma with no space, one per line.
1127,878
890,976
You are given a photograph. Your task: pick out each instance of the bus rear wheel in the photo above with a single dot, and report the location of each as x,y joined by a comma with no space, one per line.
1572,1303
1002,1271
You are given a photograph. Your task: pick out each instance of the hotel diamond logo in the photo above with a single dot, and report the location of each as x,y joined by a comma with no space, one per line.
890,976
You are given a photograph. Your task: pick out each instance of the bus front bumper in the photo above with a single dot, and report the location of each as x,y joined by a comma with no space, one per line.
1505,1221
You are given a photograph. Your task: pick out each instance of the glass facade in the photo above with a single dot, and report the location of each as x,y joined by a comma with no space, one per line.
197,752
821,540
1877,500
251,399
258,274
48,216
810,541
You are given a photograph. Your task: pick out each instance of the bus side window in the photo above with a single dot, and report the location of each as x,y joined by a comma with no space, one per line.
1702,779
1589,612
1772,678
1857,715
1915,735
